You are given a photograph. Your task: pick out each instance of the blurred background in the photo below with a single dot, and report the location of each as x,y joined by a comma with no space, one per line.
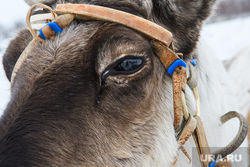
227,33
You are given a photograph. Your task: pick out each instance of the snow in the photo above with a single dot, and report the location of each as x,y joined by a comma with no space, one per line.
229,37
239,71
4,86
226,38
230,41
12,11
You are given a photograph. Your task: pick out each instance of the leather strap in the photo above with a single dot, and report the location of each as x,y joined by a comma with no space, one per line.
168,57
94,12
21,59
239,138
224,163
179,84
201,141
188,130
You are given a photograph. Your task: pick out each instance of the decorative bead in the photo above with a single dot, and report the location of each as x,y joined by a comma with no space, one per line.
212,164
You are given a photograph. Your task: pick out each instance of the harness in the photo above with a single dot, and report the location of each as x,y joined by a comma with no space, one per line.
161,38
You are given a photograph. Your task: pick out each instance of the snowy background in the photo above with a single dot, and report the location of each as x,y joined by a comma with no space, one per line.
228,35
12,17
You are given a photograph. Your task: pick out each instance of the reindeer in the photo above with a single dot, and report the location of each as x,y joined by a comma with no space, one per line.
97,94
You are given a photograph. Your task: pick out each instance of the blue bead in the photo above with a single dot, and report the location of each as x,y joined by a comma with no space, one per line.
41,34
212,164
194,62
176,63
55,27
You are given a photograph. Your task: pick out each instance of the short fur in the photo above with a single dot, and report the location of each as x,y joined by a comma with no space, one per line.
61,114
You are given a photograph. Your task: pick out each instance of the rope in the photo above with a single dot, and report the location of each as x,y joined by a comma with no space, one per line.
197,98
184,106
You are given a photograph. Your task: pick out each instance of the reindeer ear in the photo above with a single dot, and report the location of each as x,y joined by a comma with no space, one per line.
47,2
184,19
14,50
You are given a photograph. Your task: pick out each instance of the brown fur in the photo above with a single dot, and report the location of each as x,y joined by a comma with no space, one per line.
56,116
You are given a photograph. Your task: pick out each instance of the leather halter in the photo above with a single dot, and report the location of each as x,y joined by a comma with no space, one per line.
162,42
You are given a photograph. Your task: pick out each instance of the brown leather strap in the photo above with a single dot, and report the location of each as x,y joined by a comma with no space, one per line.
224,163
201,142
167,57
239,138
179,84
165,54
193,76
188,130
94,12
21,59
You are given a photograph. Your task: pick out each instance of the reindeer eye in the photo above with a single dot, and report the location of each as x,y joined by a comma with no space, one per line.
124,66
129,64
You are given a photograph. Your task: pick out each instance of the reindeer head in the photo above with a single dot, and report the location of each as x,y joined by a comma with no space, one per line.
96,94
